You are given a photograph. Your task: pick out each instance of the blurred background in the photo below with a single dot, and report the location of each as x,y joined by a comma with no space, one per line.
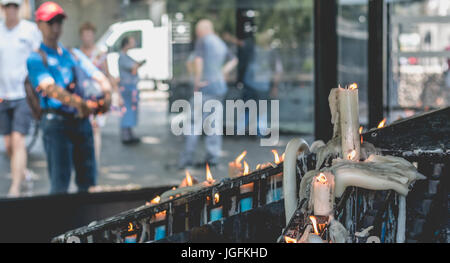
416,61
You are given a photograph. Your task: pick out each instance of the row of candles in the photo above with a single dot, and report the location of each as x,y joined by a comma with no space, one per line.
213,209
323,183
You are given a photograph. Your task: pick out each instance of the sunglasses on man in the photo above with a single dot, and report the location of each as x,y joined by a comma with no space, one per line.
56,20
11,5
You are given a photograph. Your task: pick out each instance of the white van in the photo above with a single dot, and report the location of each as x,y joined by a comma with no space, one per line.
153,44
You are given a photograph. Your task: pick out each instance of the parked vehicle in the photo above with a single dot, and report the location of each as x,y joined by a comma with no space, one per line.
153,44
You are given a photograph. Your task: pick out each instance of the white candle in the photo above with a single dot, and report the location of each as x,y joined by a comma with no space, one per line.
323,194
349,122
313,238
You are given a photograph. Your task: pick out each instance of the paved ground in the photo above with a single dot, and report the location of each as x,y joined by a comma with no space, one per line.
152,163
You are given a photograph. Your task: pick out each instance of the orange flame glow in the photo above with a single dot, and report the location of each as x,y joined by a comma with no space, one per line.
258,166
156,200
282,157
276,157
246,168
321,178
382,123
289,239
353,86
360,133
188,178
240,157
351,155
314,222
209,177
216,198
130,227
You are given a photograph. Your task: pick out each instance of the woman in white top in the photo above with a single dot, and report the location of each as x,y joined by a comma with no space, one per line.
18,38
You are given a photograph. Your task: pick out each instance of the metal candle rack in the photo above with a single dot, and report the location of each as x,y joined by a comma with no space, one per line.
423,139
185,212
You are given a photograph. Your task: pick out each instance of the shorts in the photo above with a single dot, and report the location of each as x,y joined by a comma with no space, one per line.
15,116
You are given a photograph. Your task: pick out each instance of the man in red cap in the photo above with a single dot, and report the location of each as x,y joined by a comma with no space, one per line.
67,132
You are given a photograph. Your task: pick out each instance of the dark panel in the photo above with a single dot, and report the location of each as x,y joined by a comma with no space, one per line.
39,219
325,59
376,64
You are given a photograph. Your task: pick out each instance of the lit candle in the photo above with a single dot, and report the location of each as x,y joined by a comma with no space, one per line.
216,212
349,120
323,194
131,238
189,185
276,157
160,229
246,201
235,168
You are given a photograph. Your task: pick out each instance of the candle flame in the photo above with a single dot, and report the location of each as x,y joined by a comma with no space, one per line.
160,214
156,200
282,157
246,168
216,198
209,177
188,178
258,167
360,133
314,222
240,157
290,239
130,227
321,178
351,155
382,123
276,157
353,86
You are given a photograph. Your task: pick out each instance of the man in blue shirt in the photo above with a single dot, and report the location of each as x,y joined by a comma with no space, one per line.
67,132
212,63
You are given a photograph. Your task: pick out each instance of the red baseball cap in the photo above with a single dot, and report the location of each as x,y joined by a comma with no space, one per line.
47,11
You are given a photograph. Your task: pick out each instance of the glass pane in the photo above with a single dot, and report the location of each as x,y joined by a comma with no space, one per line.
273,42
352,30
419,58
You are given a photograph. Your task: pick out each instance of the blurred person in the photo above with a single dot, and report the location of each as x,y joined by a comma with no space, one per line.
67,131
98,58
128,71
212,62
18,38
447,72
262,74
